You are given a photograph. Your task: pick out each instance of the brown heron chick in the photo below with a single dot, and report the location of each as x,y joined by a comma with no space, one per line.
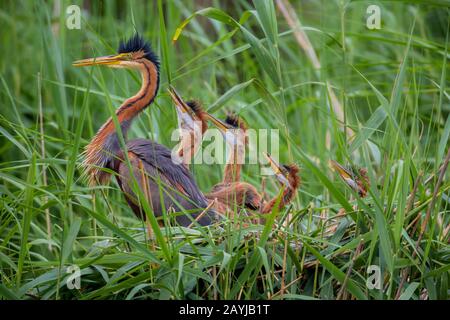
192,121
236,195
232,193
287,176
192,124
355,178
234,131
151,164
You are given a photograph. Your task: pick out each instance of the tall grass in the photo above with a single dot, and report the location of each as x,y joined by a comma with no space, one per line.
390,83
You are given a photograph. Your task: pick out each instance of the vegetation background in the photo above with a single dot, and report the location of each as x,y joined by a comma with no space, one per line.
336,90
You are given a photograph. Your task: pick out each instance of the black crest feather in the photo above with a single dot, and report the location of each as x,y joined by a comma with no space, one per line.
234,120
137,43
195,106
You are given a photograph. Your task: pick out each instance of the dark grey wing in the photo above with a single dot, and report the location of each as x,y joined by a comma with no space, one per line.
160,157
180,190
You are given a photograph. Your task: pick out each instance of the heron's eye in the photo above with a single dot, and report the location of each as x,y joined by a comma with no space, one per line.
285,170
127,56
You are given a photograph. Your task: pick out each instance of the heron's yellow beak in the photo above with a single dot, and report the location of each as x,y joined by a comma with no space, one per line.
273,164
179,102
343,172
222,126
106,60
281,174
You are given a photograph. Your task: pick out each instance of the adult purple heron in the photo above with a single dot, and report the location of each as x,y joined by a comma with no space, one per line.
166,185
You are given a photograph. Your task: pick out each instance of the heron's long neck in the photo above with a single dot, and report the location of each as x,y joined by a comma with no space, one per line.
105,146
190,143
232,172
286,198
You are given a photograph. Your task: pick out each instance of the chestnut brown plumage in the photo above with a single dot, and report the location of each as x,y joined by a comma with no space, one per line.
230,192
233,193
151,163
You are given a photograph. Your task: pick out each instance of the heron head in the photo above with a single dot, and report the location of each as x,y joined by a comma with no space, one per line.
131,54
355,178
233,129
190,113
286,174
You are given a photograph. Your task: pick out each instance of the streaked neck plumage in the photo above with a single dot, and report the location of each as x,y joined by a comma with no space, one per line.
190,143
236,157
191,130
105,147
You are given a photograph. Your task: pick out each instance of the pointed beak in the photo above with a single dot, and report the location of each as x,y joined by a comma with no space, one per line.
222,126
179,102
105,61
343,172
346,175
276,167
